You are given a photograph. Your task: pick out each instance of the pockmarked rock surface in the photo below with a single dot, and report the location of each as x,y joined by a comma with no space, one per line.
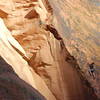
39,55
78,23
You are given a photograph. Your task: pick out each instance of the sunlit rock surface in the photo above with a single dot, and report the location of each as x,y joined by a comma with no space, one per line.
38,56
78,21
21,67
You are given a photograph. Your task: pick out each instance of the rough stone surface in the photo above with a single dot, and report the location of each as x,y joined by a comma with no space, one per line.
39,55
3,14
78,23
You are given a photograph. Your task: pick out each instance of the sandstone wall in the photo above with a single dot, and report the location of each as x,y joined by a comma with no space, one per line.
35,54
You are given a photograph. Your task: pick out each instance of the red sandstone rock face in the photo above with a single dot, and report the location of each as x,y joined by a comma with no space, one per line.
39,58
78,22
32,14
3,14
19,65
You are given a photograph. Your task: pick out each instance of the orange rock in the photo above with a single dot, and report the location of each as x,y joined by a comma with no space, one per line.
3,14
32,14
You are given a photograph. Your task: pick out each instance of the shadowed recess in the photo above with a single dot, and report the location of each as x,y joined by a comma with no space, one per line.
14,88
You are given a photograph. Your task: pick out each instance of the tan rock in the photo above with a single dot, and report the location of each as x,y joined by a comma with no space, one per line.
49,72
7,37
19,65
45,54
3,14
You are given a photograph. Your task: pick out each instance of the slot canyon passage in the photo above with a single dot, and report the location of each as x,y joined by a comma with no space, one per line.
45,48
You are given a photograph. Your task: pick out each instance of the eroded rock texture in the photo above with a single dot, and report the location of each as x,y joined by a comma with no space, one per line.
78,22
32,46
